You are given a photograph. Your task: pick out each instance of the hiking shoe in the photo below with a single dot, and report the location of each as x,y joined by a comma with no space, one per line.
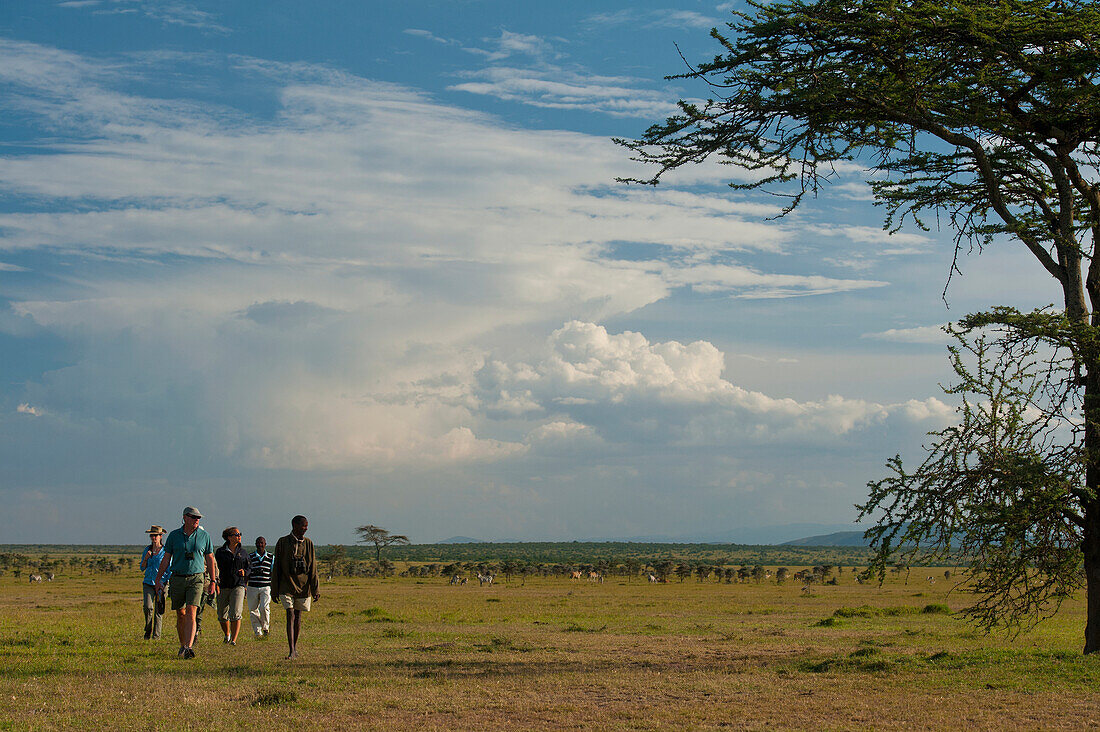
188,653
232,642
182,652
265,632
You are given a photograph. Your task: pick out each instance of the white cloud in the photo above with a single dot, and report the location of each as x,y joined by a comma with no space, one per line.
169,12
556,88
428,35
28,409
656,18
559,430
357,282
926,334
623,384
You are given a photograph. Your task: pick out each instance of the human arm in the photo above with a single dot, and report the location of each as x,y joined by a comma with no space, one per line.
145,557
313,577
212,573
160,571
276,559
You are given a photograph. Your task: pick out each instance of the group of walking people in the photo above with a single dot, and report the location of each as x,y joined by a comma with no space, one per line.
187,570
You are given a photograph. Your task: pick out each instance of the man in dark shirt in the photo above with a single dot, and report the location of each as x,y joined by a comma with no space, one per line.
233,571
258,592
295,578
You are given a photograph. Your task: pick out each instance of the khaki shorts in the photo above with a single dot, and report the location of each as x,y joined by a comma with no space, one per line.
295,603
185,590
231,604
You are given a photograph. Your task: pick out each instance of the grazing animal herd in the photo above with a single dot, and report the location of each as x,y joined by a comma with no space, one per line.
807,577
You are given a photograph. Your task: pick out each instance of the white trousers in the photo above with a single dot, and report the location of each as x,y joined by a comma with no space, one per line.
259,601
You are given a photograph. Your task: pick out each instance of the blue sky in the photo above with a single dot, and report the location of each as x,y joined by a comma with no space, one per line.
368,262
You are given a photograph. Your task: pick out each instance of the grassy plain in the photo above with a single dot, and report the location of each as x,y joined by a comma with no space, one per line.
406,653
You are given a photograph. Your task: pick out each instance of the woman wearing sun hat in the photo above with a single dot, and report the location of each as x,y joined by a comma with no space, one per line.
152,600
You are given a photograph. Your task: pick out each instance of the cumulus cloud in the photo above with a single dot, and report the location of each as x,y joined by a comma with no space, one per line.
624,384
28,409
364,280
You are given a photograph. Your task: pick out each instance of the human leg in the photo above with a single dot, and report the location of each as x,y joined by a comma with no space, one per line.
224,612
264,600
236,612
291,634
149,605
158,615
187,620
252,595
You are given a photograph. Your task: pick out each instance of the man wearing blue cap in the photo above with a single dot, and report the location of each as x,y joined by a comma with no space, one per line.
190,552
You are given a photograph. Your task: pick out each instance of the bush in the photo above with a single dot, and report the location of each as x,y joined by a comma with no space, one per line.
273,698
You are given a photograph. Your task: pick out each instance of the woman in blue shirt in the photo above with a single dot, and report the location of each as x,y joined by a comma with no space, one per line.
151,599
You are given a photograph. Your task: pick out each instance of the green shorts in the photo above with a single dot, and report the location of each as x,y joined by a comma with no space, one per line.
185,590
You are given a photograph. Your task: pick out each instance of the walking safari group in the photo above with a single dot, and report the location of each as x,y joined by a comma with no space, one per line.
183,567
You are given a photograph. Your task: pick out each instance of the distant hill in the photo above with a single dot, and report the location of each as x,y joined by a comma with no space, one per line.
840,538
460,540
747,535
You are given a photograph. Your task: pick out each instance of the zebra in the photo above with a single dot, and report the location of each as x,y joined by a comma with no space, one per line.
35,578
485,579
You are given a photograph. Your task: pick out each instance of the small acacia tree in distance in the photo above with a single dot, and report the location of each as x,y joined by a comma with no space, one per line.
380,538
984,114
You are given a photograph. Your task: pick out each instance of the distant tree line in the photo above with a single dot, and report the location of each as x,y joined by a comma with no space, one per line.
585,552
17,563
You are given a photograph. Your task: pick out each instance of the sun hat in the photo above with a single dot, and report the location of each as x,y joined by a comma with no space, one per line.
192,511
154,529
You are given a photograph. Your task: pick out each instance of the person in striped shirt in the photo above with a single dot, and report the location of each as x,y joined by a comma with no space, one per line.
259,588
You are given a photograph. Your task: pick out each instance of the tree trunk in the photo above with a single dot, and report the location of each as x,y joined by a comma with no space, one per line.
1090,544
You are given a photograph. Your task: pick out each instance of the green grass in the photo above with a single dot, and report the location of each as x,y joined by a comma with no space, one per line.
549,654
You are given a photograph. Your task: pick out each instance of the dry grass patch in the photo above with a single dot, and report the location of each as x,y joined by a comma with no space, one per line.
400,654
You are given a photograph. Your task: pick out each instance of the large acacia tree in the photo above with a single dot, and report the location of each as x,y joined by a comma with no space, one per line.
984,115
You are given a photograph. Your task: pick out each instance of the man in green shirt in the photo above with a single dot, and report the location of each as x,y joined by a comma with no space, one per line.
294,580
190,553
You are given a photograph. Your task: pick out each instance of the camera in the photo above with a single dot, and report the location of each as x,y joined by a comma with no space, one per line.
299,566
189,556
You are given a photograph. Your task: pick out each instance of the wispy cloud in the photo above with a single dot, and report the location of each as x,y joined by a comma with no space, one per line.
169,12
926,334
656,18
556,88
428,35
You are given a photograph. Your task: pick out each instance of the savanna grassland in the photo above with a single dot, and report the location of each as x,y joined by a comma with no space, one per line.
548,653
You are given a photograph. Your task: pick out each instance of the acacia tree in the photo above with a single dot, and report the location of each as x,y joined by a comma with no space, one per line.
381,538
986,115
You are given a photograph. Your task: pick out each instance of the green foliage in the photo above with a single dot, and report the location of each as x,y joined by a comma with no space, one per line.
274,698
982,113
1008,85
1003,489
